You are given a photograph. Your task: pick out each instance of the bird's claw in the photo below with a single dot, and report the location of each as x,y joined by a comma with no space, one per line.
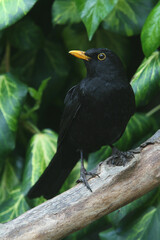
120,158
92,174
83,178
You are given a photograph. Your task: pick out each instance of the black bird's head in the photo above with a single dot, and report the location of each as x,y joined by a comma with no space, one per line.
100,61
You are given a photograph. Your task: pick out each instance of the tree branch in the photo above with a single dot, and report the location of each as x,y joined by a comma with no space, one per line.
77,207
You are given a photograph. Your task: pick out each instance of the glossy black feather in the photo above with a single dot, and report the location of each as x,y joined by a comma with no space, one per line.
96,113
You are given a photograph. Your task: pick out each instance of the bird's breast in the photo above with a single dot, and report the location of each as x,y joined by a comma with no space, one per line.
102,118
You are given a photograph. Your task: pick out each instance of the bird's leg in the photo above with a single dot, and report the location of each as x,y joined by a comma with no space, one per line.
119,158
89,173
83,173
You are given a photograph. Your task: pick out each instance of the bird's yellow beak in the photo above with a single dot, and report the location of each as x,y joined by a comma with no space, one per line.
80,54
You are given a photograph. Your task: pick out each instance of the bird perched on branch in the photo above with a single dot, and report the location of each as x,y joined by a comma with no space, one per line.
96,113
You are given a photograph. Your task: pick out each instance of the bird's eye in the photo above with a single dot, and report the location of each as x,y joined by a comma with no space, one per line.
101,56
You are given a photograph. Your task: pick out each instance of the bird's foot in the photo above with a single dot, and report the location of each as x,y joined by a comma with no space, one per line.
84,173
119,158
84,179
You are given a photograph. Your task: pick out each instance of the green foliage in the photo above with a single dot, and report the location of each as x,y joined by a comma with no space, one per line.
146,82
8,181
142,227
25,35
93,12
137,231
34,59
12,94
128,16
150,35
37,95
13,206
117,218
13,10
61,12
41,149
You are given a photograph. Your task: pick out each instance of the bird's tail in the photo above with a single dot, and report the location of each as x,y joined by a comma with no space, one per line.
55,174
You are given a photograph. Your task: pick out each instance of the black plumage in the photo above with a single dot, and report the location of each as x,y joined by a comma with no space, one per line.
96,113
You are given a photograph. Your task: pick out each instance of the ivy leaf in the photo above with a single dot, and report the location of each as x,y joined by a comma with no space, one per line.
139,128
14,206
145,82
137,206
90,230
144,227
128,16
64,11
37,94
25,35
75,36
12,95
8,181
34,93
41,149
150,35
13,10
93,12
39,64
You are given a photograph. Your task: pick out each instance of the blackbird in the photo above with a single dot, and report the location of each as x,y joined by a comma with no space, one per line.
96,113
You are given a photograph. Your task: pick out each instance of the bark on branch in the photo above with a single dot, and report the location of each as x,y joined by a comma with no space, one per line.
77,207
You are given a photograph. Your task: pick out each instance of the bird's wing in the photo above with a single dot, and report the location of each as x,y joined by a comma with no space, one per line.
65,158
71,109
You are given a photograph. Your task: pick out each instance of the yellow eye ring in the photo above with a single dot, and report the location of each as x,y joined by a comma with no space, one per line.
101,56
